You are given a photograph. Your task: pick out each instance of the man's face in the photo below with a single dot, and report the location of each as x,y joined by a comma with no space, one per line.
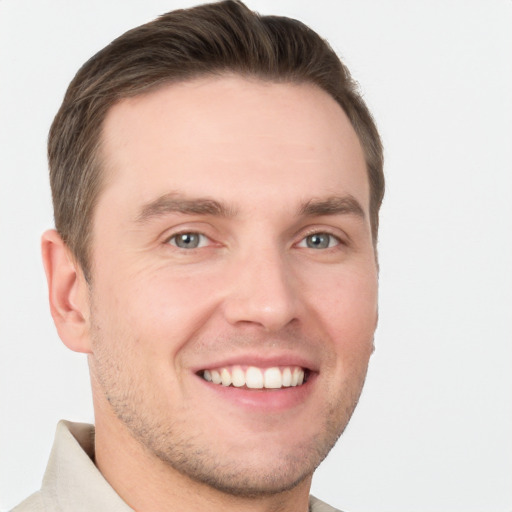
232,241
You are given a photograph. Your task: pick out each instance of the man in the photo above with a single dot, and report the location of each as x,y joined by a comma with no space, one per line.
216,183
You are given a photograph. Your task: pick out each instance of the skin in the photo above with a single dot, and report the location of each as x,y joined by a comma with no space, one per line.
155,314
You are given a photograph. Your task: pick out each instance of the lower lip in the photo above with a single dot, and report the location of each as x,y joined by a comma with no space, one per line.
264,400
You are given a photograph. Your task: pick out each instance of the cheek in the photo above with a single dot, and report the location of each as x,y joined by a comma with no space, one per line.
348,300
174,298
348,311
159,311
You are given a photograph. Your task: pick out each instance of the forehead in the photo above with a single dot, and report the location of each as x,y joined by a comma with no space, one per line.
211,136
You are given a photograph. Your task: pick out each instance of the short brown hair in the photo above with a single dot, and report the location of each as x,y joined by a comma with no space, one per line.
184,44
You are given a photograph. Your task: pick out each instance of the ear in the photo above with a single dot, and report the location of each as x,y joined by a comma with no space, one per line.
374,329
68,293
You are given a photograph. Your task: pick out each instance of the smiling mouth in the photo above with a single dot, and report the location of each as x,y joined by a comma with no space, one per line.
252,377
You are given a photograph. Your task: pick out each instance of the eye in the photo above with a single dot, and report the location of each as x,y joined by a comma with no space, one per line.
188,240
319,241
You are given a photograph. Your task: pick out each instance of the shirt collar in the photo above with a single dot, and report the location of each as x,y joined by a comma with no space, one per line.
71,480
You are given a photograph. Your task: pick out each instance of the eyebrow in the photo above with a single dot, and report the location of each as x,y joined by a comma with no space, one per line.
335,205
176,203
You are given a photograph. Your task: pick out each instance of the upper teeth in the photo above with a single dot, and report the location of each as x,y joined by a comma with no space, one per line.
256,378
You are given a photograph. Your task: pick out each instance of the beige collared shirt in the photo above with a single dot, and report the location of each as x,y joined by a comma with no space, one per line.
72,483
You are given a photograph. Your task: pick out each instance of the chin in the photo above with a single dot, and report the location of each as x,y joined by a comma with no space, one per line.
263,469
250,481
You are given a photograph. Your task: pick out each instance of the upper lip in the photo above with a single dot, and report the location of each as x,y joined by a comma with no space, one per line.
260,361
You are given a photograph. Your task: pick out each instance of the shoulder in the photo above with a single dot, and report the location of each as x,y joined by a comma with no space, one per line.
33,503
316,505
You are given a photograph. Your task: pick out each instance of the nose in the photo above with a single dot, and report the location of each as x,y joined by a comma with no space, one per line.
262,292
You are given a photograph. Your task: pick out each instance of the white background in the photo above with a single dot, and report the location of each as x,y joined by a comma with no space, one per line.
433,431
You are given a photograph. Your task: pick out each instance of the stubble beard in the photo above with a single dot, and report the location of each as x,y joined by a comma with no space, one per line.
172,442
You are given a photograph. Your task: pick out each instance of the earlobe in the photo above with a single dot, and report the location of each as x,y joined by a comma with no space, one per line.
67,291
